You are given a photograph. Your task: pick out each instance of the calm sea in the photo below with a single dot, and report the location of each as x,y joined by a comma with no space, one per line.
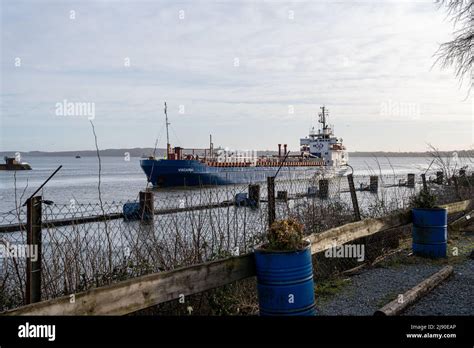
121,180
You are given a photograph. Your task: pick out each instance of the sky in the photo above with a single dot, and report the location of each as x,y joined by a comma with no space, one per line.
251,73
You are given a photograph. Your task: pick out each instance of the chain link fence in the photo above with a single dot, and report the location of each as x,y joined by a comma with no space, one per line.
91,245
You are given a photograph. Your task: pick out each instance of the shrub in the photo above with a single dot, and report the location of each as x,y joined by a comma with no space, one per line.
285,235
424,199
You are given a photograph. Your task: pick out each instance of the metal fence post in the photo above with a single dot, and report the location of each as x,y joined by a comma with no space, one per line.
355,204
411,180
271,199
33,241
254,194
423,179
282,196
146,206
439,178
456,187
323,188
374,184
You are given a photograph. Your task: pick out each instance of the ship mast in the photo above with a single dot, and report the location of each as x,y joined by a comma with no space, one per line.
168,146
322,119
322,116
211,147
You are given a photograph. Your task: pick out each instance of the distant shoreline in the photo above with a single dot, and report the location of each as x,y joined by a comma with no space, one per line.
139,152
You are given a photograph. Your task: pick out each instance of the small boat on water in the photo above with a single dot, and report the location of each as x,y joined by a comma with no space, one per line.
77,156
12,164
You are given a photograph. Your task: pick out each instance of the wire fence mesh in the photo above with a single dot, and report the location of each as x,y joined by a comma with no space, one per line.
196,225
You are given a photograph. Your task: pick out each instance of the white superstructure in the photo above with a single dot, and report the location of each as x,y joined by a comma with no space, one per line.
325,145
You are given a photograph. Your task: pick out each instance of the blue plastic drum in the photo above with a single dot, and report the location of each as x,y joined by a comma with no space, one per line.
285,283
430,232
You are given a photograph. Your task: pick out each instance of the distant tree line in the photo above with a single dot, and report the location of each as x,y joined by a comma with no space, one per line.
139,152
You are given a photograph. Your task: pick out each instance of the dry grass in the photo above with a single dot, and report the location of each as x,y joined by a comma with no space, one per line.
82,256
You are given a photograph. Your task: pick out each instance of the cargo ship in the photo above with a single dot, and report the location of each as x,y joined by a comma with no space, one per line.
321,153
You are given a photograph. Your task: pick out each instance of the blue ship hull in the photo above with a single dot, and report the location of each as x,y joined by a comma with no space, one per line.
172,173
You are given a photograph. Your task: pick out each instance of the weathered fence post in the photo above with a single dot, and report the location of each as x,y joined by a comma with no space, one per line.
355,204
456,187
146,206
374,183
254,194
439,178
423,179
323,188
271,199
463,179
282,195
33,241
411,180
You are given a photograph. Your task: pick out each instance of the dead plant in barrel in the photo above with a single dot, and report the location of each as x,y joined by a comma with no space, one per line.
285,235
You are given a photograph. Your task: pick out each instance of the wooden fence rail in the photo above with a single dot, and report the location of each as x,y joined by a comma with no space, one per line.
142,292
111,216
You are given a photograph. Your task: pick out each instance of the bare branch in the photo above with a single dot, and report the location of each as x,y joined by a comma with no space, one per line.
458,53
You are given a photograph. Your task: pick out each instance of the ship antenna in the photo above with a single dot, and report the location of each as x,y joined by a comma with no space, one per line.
167,133
322,116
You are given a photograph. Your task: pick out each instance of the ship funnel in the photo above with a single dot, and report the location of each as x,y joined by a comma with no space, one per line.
285,149
179,152
279,150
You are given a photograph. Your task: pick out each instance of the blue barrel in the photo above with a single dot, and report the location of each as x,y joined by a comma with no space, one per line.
131,211
241,199
430,232
312,191
285,282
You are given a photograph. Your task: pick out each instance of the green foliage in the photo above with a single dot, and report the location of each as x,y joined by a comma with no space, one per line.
330,287
10,298
285,235
424,199
222,301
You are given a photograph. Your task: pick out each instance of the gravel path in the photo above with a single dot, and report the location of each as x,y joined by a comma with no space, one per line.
369,291
454,297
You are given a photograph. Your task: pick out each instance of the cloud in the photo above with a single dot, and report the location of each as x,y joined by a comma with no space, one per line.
236,67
